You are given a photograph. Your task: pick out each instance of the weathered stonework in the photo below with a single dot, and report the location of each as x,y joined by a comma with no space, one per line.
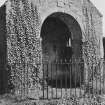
92,47
24,20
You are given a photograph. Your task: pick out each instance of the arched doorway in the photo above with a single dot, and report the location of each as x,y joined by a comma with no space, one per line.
61,41
55,39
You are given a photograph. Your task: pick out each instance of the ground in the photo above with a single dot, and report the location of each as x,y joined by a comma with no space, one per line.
66,99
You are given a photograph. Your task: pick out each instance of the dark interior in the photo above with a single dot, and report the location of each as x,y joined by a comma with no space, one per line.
55,36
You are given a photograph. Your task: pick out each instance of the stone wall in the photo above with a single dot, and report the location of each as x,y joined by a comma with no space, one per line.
24,20
90,21
92,46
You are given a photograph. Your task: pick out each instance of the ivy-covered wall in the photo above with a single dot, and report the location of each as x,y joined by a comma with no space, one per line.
24,46
92,45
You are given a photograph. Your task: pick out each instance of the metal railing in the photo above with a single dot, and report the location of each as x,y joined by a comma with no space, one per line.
69,77
62,77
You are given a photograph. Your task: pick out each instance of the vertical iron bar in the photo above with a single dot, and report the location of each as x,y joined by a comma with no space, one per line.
21,80
103,77
27,78
93,82
96,86
88,83
6,89
100,76
61,79
43,79
83,79
1,86
51,82
65,64
24,79
80,68
75,66
70,74
56,79
15,75
47,80
96,79
92,79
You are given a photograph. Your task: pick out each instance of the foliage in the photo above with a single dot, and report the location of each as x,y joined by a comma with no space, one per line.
91,45
23,44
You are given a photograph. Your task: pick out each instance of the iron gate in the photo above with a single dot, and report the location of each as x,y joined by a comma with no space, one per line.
65,77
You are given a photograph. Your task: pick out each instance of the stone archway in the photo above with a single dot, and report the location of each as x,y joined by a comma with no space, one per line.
73,28
61,39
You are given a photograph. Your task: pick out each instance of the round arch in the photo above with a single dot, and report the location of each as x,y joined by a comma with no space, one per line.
72,28
61,40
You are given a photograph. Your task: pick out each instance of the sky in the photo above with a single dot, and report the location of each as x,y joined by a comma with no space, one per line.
100,4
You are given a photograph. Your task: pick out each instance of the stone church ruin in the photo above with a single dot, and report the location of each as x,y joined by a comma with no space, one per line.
35,35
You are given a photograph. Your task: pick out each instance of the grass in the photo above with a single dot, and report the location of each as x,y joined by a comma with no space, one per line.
80,98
